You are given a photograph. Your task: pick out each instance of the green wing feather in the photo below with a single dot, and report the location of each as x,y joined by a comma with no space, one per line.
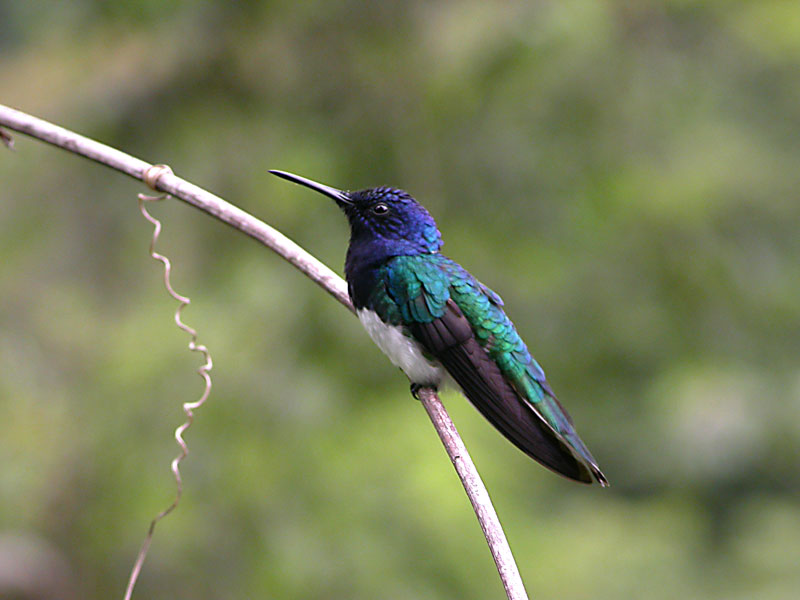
417,290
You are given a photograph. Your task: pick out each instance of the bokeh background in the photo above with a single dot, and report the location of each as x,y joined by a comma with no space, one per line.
625,174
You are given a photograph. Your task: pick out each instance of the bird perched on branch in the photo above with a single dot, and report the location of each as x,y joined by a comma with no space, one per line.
431,317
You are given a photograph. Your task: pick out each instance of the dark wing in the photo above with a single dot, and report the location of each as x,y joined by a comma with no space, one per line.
460,322
451,340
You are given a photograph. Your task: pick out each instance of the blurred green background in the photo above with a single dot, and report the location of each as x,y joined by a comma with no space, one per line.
624,174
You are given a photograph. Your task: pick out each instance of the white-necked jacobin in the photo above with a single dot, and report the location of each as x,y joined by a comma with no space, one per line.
430,317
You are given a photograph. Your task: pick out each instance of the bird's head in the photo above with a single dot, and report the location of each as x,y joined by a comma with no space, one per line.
388,216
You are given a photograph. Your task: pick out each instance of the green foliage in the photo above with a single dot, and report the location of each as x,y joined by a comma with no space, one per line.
623,174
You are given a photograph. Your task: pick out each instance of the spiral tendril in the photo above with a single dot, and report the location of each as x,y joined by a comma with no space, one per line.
188,407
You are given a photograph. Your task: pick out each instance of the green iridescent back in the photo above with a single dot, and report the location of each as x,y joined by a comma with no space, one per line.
416,289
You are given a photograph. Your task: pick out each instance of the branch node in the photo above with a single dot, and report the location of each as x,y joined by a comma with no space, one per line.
152,174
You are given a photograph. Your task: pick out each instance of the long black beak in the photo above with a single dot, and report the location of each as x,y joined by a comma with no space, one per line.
329,191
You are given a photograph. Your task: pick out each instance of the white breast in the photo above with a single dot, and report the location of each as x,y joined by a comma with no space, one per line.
401,350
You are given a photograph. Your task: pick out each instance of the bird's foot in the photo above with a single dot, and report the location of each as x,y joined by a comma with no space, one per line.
416,387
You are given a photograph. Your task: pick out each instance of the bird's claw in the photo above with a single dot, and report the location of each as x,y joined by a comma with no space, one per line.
416,387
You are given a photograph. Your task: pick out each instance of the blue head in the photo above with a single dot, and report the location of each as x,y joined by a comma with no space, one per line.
384,222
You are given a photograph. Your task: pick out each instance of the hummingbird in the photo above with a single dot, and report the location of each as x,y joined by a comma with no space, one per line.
433,319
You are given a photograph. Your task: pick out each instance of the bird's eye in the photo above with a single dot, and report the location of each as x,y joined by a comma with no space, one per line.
380,209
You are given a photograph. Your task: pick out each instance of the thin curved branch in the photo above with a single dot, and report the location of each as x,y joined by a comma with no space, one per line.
316,271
